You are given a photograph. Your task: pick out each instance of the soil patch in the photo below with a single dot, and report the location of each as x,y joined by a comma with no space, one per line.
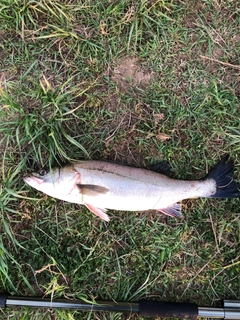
130,74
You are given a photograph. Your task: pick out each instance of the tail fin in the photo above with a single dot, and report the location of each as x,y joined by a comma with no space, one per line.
222,173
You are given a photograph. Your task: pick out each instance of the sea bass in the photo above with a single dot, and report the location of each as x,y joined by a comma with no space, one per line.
101,185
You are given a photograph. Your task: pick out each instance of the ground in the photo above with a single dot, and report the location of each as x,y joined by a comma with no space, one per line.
130,82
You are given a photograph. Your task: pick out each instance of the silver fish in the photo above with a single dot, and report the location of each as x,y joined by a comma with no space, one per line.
103,185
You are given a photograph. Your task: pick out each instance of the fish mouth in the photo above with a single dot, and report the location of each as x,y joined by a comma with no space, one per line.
32,178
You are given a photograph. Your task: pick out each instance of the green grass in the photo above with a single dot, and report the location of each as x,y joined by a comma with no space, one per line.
61,100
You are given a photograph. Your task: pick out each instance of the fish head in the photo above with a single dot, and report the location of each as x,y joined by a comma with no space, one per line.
56,183
43,180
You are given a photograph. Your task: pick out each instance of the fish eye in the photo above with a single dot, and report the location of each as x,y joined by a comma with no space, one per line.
42,172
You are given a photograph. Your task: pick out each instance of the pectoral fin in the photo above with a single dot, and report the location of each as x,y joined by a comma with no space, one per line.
91,189
173,211
101,213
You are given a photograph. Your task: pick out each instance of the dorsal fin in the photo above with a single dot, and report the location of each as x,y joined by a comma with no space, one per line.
161,167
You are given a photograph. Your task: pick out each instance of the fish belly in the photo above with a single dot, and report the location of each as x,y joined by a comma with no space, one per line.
133,189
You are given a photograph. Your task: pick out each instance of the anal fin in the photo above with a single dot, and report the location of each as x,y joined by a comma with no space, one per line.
173,210
101,213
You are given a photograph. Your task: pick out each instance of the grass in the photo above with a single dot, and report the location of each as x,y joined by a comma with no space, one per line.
136,83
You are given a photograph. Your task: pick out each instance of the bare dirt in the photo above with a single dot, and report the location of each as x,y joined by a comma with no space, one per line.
130,77
128,73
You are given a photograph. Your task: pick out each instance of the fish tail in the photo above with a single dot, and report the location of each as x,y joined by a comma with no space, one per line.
226,186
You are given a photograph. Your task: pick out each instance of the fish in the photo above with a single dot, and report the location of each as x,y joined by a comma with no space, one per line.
102,185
